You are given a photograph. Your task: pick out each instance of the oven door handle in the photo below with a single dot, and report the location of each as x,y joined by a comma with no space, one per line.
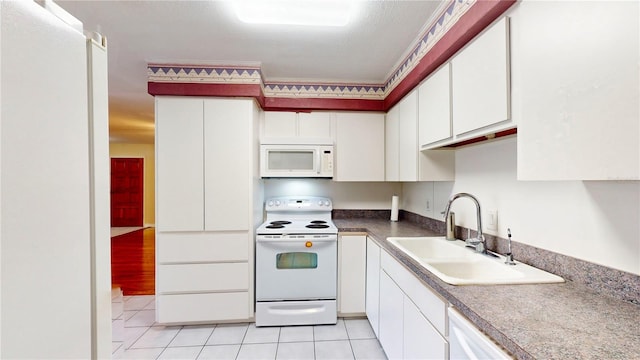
288,240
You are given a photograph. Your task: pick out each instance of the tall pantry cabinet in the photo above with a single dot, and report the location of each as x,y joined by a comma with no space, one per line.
206,171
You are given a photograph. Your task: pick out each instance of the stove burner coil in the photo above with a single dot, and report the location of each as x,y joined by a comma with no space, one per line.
274,226
317,226
318,222
280,222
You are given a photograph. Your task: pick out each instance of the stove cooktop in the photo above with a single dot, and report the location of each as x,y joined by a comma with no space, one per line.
300,226
298,215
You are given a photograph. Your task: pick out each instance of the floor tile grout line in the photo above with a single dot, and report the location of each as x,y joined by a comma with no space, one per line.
138,338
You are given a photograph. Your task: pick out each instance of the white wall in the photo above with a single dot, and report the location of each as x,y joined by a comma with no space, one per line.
596,221
345,195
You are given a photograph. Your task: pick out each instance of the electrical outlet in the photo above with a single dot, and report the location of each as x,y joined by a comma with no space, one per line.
428,205
492,220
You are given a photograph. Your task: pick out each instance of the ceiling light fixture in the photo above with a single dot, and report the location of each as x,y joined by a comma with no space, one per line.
295,12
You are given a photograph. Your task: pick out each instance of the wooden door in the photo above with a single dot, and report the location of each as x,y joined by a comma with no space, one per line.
126,191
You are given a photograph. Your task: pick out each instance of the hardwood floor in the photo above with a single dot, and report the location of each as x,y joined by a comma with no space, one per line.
133,262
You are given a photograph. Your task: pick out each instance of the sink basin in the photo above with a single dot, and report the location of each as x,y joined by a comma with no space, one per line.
456,264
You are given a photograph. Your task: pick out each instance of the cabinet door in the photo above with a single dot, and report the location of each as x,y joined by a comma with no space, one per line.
421,340
392,144
372,300
208,307
315,125
434,107
480,81
179,160
352,251
192,278
228,163
391,317
359,146
408,140
279,124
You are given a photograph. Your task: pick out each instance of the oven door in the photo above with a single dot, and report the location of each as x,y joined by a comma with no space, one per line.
296,269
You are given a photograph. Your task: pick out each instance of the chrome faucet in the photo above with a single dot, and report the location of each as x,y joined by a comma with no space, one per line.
478,243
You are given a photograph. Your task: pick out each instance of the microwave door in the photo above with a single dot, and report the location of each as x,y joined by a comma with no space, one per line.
292,162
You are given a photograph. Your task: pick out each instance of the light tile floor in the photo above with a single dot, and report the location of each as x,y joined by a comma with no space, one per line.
144,339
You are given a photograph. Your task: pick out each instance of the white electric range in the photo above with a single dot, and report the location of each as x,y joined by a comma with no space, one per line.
296,263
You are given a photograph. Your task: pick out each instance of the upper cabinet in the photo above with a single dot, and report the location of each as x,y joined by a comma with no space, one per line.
359,146
392,144
577,75
278,124
480,82
435,107
408,144
195,173
468,97
401,149
180,164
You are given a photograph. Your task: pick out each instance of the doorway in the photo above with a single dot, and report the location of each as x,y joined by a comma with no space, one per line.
127,191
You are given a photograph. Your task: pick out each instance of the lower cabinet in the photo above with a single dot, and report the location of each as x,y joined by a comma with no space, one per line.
411,319
352,251
198,308
203,277
420,339
372,300
391,317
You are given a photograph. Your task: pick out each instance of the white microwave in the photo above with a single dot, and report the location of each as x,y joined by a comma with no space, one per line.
287,160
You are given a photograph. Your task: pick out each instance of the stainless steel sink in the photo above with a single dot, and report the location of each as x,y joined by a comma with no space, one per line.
455,264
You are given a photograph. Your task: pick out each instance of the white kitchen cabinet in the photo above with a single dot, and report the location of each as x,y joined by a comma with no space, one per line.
352,256
421,340
372,300
431,305
316,124
401,149
412,318
408,151
392,144
359,146
183,278
202,247
228,155
403,159
579,91
434,107
204,307
206,151
180,159
282,124
200,186
480,84
391,317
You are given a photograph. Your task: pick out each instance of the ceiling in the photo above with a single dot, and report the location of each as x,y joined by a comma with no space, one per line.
366,51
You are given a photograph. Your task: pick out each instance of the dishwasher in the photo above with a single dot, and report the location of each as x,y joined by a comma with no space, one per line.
467,342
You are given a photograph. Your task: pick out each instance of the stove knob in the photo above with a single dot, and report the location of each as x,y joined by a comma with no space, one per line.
320,203
270,203
326,203
277,202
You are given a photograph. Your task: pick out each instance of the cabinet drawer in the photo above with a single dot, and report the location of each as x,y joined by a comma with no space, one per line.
202,247
183,308
203,277
431,305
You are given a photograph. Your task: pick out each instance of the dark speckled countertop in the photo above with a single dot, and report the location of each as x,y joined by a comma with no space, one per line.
546,321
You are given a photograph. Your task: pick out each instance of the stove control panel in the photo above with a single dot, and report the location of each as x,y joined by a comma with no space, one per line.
301,203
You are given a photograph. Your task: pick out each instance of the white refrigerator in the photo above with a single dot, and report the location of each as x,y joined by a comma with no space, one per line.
54,239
